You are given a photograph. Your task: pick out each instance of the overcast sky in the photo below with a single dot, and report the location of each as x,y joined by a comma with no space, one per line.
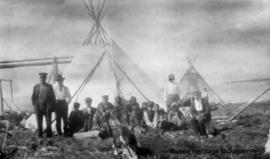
230,37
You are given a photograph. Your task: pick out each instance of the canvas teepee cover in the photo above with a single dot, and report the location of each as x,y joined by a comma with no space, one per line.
102,68
193,81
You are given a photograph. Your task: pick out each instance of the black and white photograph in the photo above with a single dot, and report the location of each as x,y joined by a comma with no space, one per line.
134,79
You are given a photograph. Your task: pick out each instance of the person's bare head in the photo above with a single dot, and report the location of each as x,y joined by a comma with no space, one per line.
197,95
144,105
150,105
117,100
88,101
105,99
133,100
76,106
174,107
156,107
60,82
171,77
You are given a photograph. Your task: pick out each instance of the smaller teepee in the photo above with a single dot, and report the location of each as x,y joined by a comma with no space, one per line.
193,81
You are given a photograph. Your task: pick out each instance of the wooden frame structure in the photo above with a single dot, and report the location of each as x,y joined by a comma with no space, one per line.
12,64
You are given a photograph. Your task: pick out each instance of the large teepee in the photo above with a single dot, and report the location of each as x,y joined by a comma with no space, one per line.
101,67
193,81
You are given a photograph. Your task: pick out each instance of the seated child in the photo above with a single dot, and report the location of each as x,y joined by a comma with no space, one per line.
175,118
76,121
149,115
113,121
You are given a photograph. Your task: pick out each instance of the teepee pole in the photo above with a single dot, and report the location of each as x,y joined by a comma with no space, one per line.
245,106
11,89
1,99
116,78
126,75
88,77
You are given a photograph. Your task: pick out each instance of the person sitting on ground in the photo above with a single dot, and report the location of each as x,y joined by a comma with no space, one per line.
143,109
101,117
76,119
121,110
133,103
134,116
201,116
89,113
101,122
144,106
157,116
159,120
149,114
105,103
113,121
175,118
163,123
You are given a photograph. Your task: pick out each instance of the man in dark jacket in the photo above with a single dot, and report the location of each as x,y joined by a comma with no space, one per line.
76,120
43,100
201,115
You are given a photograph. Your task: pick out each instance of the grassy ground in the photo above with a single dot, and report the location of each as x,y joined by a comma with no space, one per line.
243,139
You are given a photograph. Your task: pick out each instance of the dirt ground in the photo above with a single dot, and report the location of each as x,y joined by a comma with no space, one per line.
242,139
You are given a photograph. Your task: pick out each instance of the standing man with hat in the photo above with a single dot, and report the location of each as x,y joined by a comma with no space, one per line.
63,98
171,93
43,100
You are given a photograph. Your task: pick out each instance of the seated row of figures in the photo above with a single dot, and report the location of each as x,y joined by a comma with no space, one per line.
47,99
148,116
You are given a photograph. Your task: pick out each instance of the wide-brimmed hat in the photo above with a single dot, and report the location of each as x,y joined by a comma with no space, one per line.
59,77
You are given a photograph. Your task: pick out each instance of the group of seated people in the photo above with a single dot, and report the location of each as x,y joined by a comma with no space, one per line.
139,119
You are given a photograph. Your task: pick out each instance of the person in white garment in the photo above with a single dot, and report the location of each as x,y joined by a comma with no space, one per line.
89,113
63,98
171,92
